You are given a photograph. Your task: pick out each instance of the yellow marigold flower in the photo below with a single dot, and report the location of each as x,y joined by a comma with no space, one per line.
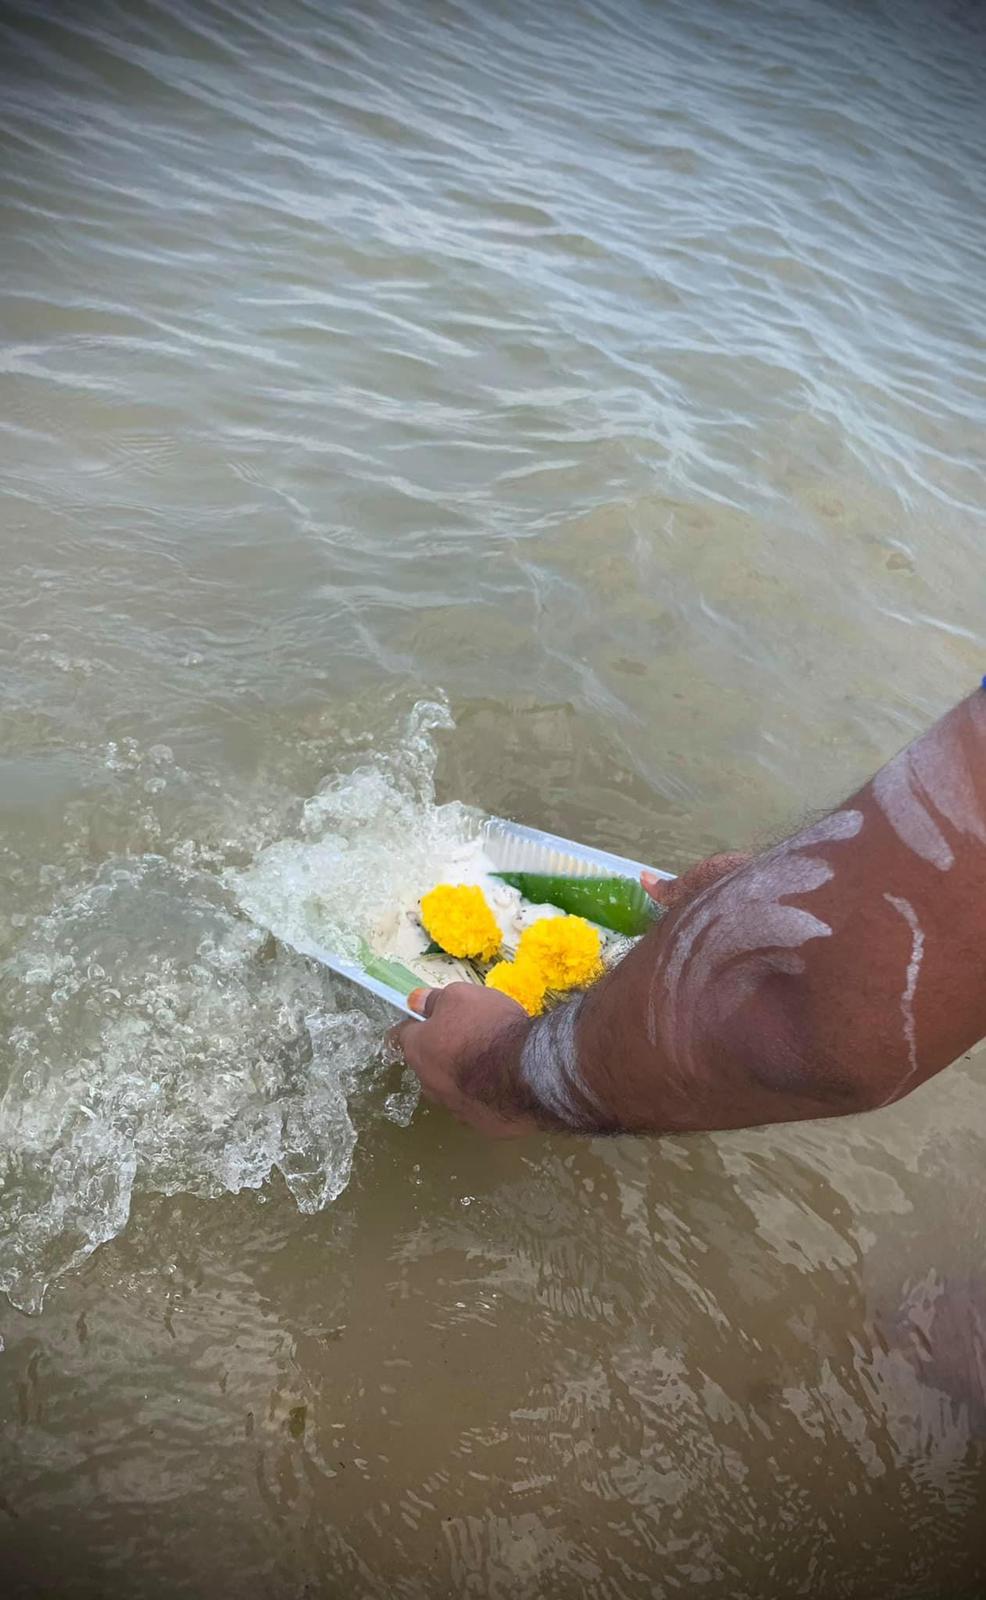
567,951
521,981
458,919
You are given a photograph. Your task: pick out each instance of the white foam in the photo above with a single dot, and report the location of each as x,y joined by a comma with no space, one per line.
160,1044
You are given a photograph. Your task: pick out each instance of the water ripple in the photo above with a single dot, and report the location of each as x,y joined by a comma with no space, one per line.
618,369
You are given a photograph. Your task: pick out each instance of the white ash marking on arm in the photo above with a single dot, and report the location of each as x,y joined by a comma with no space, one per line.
940,765
897,790
735,933
930,785
910,916
549,1065
837,826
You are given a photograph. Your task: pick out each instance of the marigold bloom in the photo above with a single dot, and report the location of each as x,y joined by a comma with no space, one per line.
521,981
459,919
566,951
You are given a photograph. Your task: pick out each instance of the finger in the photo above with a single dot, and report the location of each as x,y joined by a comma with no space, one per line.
412,1044
394,1040
661,890
422,1001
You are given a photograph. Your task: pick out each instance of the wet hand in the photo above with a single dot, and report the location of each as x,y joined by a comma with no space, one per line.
463,1023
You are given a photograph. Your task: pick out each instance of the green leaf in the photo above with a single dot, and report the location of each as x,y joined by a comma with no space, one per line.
392,973
619,904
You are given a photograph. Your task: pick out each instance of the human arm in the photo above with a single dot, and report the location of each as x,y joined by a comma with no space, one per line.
831,974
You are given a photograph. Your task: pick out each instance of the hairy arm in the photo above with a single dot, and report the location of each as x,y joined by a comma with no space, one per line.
833,973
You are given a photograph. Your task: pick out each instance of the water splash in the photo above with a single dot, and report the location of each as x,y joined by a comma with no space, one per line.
160,1041
368,840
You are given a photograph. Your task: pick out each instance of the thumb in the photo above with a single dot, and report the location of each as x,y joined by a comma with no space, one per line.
422,1001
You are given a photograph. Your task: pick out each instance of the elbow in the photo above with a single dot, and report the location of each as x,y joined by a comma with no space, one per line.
793,1063
801,1066
808,1062
818,1085
856,1094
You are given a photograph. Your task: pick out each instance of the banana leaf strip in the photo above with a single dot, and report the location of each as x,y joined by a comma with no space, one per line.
619,904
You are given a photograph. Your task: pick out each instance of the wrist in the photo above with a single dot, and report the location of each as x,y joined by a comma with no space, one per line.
550,1077
491,1072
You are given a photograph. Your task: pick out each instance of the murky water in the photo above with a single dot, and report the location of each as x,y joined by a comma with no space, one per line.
577,411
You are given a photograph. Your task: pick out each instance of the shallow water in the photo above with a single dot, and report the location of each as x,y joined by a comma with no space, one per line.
577,412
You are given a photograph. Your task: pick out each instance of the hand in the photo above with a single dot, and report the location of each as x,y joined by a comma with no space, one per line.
463,1022
671,892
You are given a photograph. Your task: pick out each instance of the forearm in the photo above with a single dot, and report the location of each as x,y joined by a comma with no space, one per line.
597,1064
542,1071
833,973
899,989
